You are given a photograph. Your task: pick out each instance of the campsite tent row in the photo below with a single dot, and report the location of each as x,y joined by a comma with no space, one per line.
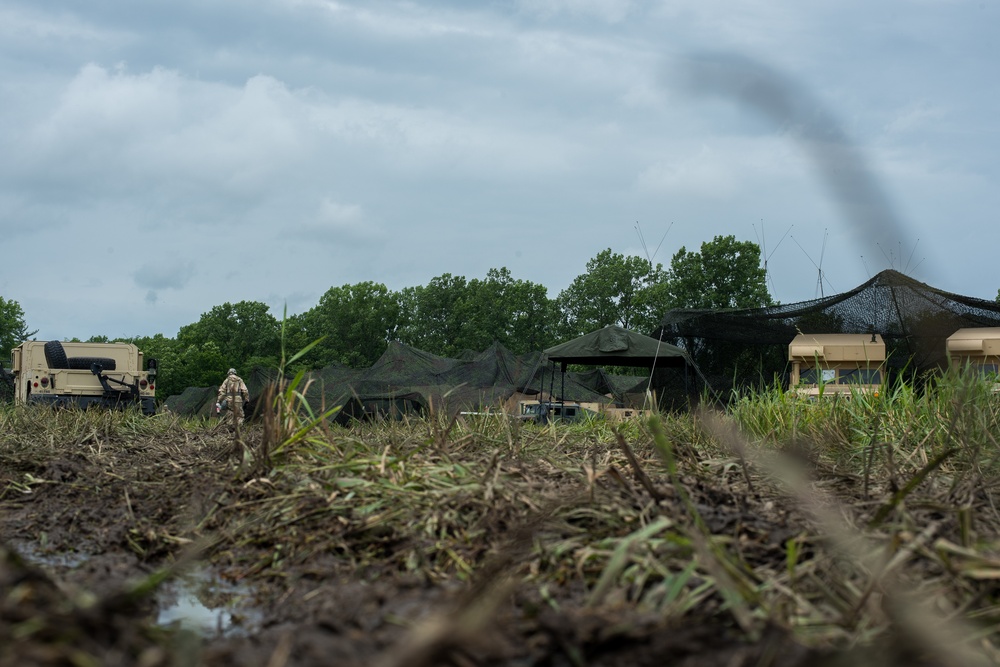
914,320
406,379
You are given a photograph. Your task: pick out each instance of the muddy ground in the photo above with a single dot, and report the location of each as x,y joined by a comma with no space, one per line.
474,574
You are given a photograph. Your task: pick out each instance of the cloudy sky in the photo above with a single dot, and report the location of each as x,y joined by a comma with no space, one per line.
160,158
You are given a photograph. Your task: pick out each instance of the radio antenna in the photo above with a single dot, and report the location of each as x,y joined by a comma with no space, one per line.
867,270
910,258
820,276
762,242
642,242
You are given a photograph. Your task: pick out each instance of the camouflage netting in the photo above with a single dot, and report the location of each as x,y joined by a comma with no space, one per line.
6,386
405,379
748,345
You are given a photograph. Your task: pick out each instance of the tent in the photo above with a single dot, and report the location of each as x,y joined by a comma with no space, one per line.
615,346
672,371
406,380
913,318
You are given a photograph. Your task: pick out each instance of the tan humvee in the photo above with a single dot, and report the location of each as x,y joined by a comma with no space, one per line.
977,349
533,410
542,412
836,364
104,375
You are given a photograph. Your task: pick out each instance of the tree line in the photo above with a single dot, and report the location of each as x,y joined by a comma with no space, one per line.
449,316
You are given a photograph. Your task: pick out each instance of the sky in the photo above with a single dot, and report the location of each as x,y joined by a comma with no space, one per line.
161,158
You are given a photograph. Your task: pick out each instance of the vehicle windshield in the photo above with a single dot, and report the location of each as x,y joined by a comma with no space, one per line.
859,376
817,375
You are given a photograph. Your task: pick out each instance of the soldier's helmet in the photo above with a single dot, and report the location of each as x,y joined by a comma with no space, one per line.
232,371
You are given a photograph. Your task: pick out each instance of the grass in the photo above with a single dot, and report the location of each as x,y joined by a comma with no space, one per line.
846,523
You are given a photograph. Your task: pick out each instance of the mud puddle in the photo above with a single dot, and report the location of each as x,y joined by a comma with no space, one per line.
203,602
198,600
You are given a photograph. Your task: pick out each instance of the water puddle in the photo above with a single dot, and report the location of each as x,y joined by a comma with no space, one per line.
41,557
202,602
198,600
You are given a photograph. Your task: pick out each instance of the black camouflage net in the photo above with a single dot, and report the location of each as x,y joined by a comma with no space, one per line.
406,380
749,346
6,386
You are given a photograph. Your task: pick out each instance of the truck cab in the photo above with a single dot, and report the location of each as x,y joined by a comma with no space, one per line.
836,364
976,349
86,375
543,412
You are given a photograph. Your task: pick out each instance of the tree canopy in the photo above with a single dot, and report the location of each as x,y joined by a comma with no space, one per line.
449,316
725,273
355,323
13,330
615,289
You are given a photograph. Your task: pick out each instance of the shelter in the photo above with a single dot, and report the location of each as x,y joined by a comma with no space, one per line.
673,374
913,318
407,380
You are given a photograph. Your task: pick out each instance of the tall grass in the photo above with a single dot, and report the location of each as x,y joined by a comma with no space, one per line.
955,410
289,421
682,518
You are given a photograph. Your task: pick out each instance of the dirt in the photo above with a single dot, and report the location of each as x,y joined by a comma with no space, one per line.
90,527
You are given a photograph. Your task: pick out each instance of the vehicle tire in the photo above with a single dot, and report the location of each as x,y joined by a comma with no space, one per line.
55,355
84,363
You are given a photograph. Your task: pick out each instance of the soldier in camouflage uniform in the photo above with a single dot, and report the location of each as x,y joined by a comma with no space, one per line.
233,390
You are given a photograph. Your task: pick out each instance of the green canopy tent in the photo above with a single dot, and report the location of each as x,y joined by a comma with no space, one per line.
616,346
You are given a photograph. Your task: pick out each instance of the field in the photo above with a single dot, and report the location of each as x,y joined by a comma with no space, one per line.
774,532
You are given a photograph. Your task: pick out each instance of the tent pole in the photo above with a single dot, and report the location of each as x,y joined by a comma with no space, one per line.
562,392
552,380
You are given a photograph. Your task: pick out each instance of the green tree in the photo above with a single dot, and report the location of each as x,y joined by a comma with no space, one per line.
357,322
245,334
433,315
170,379
516,313
616,289
13,330
726,273
202,365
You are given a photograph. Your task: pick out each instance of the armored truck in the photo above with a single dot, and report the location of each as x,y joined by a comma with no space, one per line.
836,364
977,349
85,375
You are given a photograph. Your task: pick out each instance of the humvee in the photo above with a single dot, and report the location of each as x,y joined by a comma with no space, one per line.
977,349
543,412
836,364
99,375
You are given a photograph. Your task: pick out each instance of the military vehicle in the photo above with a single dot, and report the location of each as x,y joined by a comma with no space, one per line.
543,412
978,349
85,375
836,364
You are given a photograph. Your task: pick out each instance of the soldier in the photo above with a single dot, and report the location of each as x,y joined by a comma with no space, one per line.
233,390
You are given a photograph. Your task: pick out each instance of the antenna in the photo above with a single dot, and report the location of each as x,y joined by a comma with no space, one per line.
887,256
642,241
867,270
910,258
820,276
762,242
890,257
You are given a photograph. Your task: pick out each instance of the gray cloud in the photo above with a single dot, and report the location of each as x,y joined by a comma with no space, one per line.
789,106
164,275
270,151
